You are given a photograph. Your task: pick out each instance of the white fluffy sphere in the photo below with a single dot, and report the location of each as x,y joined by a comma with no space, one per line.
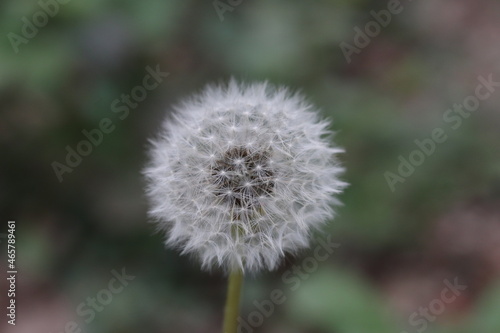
241,175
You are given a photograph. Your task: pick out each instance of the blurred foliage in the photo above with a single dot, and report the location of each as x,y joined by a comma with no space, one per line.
339,301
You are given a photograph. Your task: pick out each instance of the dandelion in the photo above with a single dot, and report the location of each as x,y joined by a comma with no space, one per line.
240,176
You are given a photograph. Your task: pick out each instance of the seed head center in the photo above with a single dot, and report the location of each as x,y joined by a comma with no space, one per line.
242,176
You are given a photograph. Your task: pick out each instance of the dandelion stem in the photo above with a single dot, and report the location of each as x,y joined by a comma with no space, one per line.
232,309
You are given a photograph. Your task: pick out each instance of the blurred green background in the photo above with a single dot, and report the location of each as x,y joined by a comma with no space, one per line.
397,248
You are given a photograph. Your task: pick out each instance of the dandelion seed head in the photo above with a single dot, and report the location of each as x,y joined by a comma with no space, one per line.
242,175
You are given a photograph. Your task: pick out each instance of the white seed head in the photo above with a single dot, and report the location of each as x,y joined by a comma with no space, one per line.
242,175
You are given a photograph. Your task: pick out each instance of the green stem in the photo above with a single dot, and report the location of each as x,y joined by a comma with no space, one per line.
232,309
